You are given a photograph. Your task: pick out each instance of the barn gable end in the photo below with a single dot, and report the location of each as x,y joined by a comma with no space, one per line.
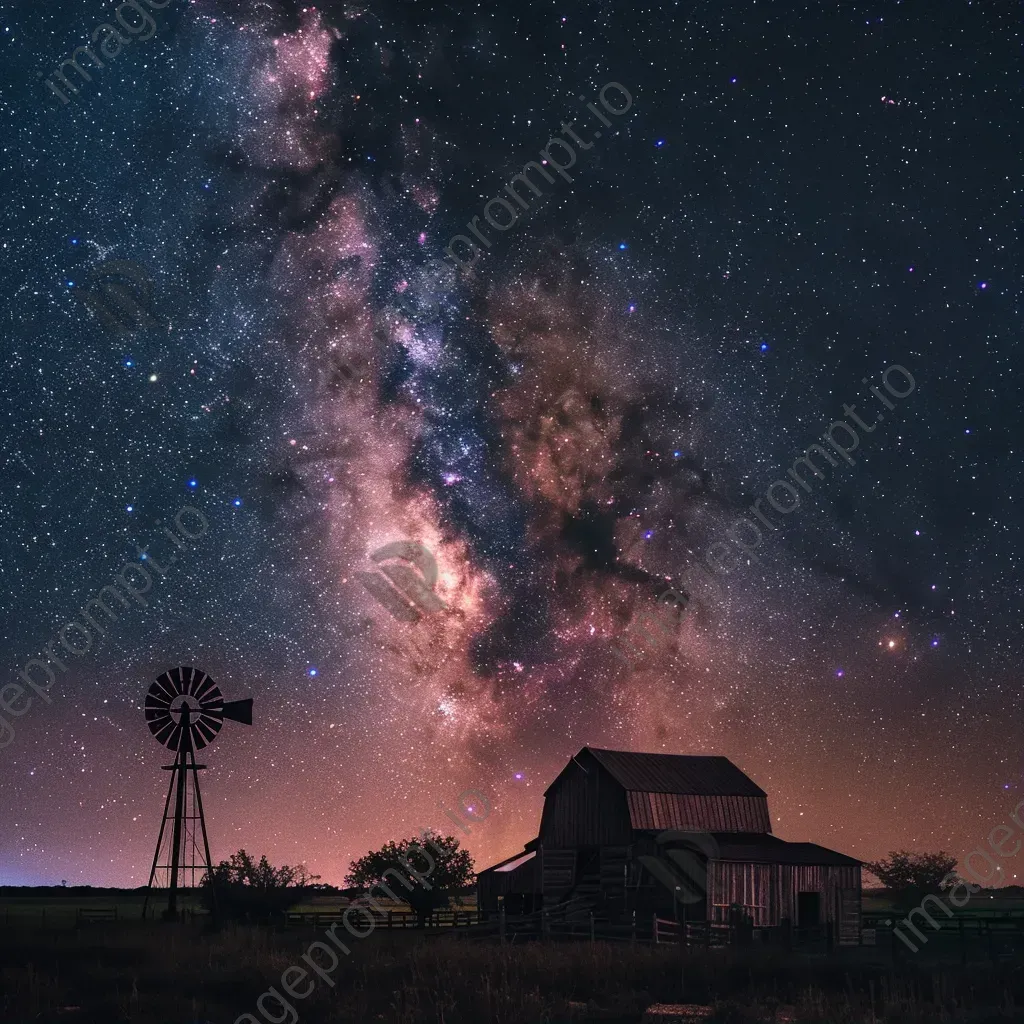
602,796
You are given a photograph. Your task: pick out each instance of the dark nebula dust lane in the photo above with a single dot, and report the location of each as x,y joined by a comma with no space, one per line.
792,202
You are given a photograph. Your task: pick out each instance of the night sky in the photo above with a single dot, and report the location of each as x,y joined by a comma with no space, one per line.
800,196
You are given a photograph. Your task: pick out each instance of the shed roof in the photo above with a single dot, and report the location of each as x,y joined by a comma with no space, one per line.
515,862
511,863
691,775
747,848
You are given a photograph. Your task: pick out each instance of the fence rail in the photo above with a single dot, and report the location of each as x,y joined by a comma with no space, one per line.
386,919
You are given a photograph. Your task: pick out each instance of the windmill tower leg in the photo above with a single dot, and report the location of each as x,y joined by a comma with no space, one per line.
159,843
206,839
179,820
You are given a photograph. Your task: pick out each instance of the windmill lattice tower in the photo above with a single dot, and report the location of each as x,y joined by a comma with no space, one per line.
185,711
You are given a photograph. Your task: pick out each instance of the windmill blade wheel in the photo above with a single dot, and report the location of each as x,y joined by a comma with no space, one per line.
166,698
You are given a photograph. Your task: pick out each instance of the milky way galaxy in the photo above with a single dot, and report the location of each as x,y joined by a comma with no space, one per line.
565,430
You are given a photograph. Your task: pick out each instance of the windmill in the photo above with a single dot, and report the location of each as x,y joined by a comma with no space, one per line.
185,711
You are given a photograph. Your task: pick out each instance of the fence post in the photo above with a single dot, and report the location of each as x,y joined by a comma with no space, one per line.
501,923
654,927
391,922
591,927
632,937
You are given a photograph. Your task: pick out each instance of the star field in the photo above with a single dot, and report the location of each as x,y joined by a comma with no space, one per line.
798,198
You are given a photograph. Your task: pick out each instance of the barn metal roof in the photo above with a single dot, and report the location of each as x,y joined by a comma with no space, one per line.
684,774
705,813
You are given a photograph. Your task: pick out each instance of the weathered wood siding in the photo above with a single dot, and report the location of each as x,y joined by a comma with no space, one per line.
749,885
558,873
850,914
770,893
585,806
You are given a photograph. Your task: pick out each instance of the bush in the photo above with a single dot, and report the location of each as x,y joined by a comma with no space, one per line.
243,890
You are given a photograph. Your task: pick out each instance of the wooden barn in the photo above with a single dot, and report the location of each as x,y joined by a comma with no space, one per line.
687,838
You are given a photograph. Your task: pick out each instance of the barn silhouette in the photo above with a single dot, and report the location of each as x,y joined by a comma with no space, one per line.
688,838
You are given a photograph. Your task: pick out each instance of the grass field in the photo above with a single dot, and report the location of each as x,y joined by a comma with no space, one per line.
148,972
59,910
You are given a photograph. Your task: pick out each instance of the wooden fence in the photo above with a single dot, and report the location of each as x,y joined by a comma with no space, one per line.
963,936
388,919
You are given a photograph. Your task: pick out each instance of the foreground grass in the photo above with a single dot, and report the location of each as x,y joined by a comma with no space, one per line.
176,974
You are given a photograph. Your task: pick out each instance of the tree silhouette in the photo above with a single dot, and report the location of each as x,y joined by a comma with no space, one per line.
426,877
911,876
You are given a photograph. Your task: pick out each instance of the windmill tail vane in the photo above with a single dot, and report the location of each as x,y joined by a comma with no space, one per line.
185,711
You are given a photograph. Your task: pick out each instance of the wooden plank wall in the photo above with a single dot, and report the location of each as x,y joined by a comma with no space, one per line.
585,808
750,885
558,872
770,893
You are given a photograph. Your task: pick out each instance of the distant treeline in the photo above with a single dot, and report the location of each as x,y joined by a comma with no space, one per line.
139,891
